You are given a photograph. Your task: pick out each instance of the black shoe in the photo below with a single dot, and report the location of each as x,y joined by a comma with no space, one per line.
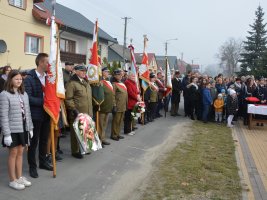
121,137
46,166
60,151
114,138
49,158
105,143
77,155
58,157
261,124
135,128
178,115
192,118
33,173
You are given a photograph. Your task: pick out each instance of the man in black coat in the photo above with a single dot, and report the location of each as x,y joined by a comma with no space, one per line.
34,86
185,82
176,92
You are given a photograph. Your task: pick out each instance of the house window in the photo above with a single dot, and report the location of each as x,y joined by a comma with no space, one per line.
68,46
33,43
18,3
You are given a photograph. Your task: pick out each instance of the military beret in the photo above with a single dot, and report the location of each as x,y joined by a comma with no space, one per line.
80,68
69,63
152,75
117,72
105,69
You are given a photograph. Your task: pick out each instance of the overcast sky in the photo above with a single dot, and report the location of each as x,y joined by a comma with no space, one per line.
201,26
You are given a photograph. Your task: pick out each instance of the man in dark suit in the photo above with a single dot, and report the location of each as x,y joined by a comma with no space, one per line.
176,92
34,86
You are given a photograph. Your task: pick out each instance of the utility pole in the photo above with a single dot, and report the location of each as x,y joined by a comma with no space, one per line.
125,33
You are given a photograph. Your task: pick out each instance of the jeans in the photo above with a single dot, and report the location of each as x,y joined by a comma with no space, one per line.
218,116
205,112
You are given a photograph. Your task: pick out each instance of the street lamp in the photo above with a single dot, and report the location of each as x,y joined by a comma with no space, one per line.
166,45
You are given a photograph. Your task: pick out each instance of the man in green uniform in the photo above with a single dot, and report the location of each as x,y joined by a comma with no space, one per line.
121,98
67,72
106,107
78,100
153,97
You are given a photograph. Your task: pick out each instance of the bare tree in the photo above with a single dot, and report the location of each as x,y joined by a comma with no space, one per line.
229,55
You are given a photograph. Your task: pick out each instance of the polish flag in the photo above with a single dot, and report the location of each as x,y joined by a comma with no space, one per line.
93,70
54,86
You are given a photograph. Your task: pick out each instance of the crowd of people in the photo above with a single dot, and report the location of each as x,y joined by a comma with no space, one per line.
25,124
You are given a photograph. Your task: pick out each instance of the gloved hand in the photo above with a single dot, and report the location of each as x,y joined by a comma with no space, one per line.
75,113
114,109
8,140
31,134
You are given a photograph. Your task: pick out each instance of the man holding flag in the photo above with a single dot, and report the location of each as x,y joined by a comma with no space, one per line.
34,86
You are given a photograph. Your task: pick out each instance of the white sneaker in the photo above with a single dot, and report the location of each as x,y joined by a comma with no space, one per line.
15,185
132,133
22,180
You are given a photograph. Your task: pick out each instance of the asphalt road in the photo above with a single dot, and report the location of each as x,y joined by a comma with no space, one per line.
112,173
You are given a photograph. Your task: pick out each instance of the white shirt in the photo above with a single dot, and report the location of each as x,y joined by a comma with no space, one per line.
41,77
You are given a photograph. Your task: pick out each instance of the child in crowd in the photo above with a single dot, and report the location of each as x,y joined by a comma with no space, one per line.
219,105
232,107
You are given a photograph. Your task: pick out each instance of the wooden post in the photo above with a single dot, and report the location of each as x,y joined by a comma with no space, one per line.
250,121
97,121
52,132
143,114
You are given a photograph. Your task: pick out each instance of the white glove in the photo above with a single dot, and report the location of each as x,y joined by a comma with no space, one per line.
31,134
7,140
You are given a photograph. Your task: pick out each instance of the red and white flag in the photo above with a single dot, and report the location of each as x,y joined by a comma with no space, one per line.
93,70
133,66
143,68
54,87
168,84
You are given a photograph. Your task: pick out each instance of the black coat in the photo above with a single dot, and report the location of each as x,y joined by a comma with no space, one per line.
2,84
33,87
176,90
193,93
232,105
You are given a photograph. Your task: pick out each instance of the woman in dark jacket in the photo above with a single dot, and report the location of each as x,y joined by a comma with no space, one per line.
250,90
3,77
193,90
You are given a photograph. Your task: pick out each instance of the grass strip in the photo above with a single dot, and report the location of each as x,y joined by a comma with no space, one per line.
203,167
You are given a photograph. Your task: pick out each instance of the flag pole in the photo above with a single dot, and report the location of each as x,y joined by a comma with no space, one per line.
165,106
52,124
52,132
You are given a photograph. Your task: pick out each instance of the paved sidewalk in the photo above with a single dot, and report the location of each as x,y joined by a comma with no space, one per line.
252,157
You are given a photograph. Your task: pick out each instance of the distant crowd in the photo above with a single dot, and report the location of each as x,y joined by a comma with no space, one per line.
24,122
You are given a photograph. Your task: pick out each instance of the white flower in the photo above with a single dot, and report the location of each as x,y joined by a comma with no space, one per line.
81,127
143,110
138,115
132,113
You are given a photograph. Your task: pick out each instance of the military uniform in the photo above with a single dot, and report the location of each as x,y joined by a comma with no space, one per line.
79,100
153,102
121,97
105,108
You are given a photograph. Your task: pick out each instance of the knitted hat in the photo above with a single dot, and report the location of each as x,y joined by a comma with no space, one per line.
232,92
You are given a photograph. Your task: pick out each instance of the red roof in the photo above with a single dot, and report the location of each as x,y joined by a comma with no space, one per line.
42,14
